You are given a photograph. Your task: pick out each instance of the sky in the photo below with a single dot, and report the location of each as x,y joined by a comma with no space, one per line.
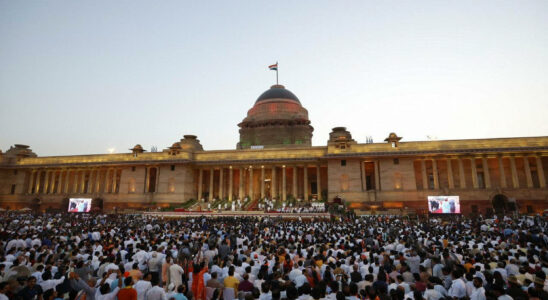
83,77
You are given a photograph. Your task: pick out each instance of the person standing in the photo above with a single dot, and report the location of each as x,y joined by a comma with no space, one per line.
128,292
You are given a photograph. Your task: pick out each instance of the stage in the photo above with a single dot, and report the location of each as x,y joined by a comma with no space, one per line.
216,214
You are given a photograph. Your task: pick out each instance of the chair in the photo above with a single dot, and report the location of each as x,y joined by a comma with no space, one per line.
228,294
209,292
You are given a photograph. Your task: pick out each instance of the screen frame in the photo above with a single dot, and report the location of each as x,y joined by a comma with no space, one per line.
72,200
456,198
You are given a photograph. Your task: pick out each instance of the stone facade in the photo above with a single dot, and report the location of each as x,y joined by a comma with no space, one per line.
393,174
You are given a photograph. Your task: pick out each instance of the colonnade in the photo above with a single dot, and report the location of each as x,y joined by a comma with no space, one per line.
487,181
77,181
246,181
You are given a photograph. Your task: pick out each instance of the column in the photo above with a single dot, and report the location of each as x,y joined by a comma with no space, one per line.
474,172
318,182
147,180
211,184
37,182
502,174
294,187
486,175
251,182
540,172
527,172
377,175
91,181
241,184
115,181
200,183
435,174
221,191
305,182
111,180
98,181
31,181
157,181
423,172
284,192
461,174
364,181
262,182
66,183
274,188
515,181
450,174
46,182
230,183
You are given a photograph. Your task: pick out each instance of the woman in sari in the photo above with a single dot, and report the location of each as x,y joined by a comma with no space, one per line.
198,285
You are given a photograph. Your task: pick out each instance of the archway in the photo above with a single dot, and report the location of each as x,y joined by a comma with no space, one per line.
500,203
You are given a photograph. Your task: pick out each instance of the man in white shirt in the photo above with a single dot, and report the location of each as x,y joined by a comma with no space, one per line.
175,274
142,286
156,292
458,288
479,292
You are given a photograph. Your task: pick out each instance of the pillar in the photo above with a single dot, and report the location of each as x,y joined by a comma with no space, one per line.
251,182
262,182
305,183
97,181
241,184
502,174
211,184
486,175
364,181
200,183
284,192
450,174
31,181
527,172
294,186
318,182
66,183
474,173
157,180
515,181
115,181
230,183
423,172
147,180
540,172
461,174
274,188
377,167
435,174
46,182
221,191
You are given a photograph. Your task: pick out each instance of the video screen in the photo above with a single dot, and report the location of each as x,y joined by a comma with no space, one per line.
79,205
443,204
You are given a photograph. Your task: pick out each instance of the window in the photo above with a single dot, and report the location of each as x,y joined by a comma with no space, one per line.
475,209
14,172
396,161
343,162
13,189
393,144
132,169
172,167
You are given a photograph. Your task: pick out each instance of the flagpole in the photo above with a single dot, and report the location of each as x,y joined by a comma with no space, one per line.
277,67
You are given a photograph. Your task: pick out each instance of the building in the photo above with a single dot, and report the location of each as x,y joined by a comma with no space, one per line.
275,159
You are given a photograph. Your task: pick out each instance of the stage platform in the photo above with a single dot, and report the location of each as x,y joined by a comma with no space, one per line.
216,214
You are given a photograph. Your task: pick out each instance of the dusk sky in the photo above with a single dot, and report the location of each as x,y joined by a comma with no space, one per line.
82,77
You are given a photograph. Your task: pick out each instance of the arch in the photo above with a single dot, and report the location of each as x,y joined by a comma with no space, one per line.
500,203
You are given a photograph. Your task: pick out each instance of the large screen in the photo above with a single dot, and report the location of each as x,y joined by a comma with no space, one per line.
443,204
79,205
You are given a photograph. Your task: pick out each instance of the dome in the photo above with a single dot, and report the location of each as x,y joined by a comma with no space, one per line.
277,92
277,119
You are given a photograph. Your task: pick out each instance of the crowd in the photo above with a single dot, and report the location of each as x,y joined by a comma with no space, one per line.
103,257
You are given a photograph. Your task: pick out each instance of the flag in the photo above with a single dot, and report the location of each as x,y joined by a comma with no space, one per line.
273,67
